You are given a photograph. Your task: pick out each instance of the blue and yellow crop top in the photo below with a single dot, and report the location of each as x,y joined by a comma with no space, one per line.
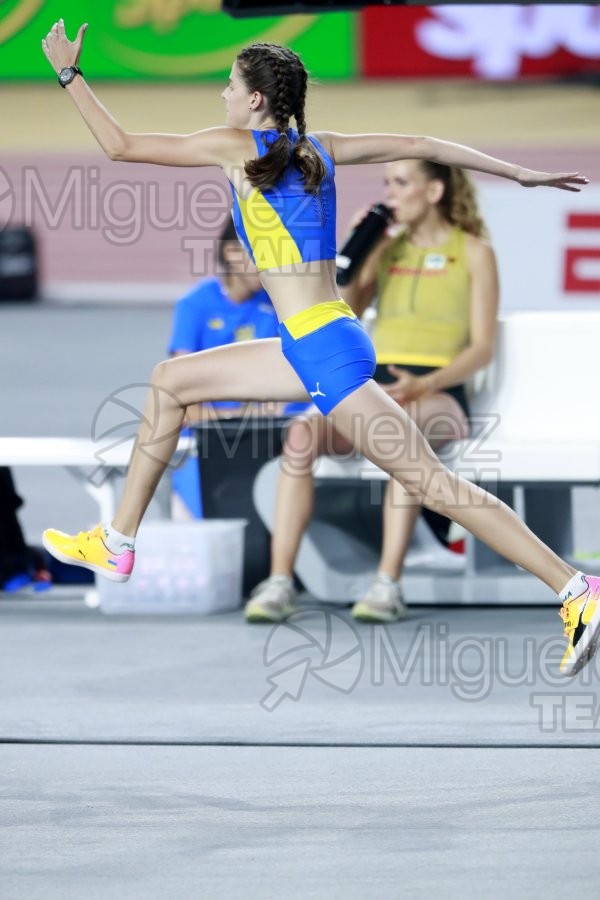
285,224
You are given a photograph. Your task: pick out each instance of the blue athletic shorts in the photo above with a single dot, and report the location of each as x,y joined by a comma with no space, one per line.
329,350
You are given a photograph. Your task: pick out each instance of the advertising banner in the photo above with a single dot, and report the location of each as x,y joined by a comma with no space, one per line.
548,248
487,42
162,39
192,39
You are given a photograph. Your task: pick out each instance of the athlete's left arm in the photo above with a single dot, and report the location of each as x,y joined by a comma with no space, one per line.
350,149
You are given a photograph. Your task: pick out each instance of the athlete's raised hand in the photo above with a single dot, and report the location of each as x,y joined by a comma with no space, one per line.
59,50
565,181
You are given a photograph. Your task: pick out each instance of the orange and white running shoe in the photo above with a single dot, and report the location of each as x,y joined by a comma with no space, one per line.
87,549
581,617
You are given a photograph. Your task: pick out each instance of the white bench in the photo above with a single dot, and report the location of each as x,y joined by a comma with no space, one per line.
97,467
539,404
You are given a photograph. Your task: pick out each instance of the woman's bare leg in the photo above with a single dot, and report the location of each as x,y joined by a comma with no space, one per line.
441,419
253,370
400,511
307,438
385,434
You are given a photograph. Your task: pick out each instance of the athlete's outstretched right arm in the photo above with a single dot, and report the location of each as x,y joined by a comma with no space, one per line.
209,147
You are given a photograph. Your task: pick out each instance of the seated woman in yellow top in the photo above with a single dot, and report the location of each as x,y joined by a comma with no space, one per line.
437,290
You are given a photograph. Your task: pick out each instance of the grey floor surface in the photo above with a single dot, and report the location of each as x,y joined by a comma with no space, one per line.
147,757
275,824
484,677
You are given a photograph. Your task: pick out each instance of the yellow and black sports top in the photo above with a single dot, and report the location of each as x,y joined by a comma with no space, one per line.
423,302
285,224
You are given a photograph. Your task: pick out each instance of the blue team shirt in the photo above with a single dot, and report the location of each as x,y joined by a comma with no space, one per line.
206,317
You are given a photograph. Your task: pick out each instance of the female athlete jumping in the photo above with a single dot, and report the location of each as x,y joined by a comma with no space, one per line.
282,183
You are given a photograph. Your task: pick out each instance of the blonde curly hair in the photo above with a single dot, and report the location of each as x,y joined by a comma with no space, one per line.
458,203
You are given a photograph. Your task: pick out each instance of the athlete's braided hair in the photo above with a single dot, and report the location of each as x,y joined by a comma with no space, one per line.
458,203
279,74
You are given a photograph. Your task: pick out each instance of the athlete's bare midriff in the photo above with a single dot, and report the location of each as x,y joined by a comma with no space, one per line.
295,288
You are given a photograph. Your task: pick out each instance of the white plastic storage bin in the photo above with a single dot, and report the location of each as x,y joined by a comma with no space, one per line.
181,567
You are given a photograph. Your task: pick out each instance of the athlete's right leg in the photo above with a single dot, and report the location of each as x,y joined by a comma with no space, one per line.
253,370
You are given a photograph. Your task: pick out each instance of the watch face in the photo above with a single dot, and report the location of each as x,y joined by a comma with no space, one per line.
66,75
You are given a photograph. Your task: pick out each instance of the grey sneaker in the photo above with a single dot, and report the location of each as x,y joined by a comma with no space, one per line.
383,602
273,600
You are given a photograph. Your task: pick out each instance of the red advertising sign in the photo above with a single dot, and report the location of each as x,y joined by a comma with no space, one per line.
576,279
488,42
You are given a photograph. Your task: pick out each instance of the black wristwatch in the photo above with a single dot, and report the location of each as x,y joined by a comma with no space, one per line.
66,75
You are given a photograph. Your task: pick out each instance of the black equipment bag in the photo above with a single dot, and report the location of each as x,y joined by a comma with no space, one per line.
18,264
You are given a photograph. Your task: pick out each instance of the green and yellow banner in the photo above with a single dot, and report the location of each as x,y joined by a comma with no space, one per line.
166,39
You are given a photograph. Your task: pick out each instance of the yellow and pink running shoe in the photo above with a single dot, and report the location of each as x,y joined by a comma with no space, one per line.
581,617
87,549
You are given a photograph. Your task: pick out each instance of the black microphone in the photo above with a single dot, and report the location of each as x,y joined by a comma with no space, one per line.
361,242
